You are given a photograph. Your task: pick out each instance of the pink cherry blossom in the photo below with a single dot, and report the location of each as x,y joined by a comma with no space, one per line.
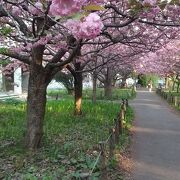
65,7
16,11
150,2
90,27
36,9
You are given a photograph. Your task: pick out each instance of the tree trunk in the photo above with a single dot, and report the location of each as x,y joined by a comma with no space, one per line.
94,87
36,103
174,82
78,85
173,85
178,85
3,83
166,83
70,91
108,90
123,83
108,85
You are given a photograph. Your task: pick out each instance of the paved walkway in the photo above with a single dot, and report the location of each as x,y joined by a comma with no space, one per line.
156,141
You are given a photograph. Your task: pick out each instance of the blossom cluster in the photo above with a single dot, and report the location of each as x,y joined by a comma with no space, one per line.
87,28
67,7
150,2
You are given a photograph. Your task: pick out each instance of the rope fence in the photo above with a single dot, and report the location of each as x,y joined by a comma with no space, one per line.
172,99
113,139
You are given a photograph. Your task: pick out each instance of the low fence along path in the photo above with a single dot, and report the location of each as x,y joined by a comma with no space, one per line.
156,140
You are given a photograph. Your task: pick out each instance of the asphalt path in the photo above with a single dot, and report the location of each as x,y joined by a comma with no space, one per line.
156,139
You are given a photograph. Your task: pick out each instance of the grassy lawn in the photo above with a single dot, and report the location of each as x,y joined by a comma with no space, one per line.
70,144
117,94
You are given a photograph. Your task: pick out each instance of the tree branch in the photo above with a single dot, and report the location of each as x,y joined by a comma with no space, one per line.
23,58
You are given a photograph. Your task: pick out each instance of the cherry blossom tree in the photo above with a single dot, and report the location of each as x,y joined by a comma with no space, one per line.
37,33
116,64
164,62
47,35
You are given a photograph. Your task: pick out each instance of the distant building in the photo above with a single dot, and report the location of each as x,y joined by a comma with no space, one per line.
17,83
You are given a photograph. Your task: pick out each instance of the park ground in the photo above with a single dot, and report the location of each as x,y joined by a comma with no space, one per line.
70,143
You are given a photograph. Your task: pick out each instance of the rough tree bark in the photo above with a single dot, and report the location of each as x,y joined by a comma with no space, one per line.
39,79
108,85
108,90
94,87
173,85
123,83
174,82
166,83
36,101
94,79
70,91
78,85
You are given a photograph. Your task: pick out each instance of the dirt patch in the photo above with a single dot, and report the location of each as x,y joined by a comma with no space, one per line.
125,159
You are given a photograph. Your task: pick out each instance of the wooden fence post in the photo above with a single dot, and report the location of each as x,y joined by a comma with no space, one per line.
165,95
123,109
175,100
121,116
57,97
168,97
116,131
103,169
171,99
178,101
127,104
111,143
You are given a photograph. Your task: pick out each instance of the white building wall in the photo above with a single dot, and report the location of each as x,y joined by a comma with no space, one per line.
1,80
18,81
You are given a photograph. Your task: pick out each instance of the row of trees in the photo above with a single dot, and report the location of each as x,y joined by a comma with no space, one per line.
101,37
164,62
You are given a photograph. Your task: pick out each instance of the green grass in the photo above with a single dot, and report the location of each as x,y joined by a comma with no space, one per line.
70,144
117,94
173,93
62,93
12,118
91,127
